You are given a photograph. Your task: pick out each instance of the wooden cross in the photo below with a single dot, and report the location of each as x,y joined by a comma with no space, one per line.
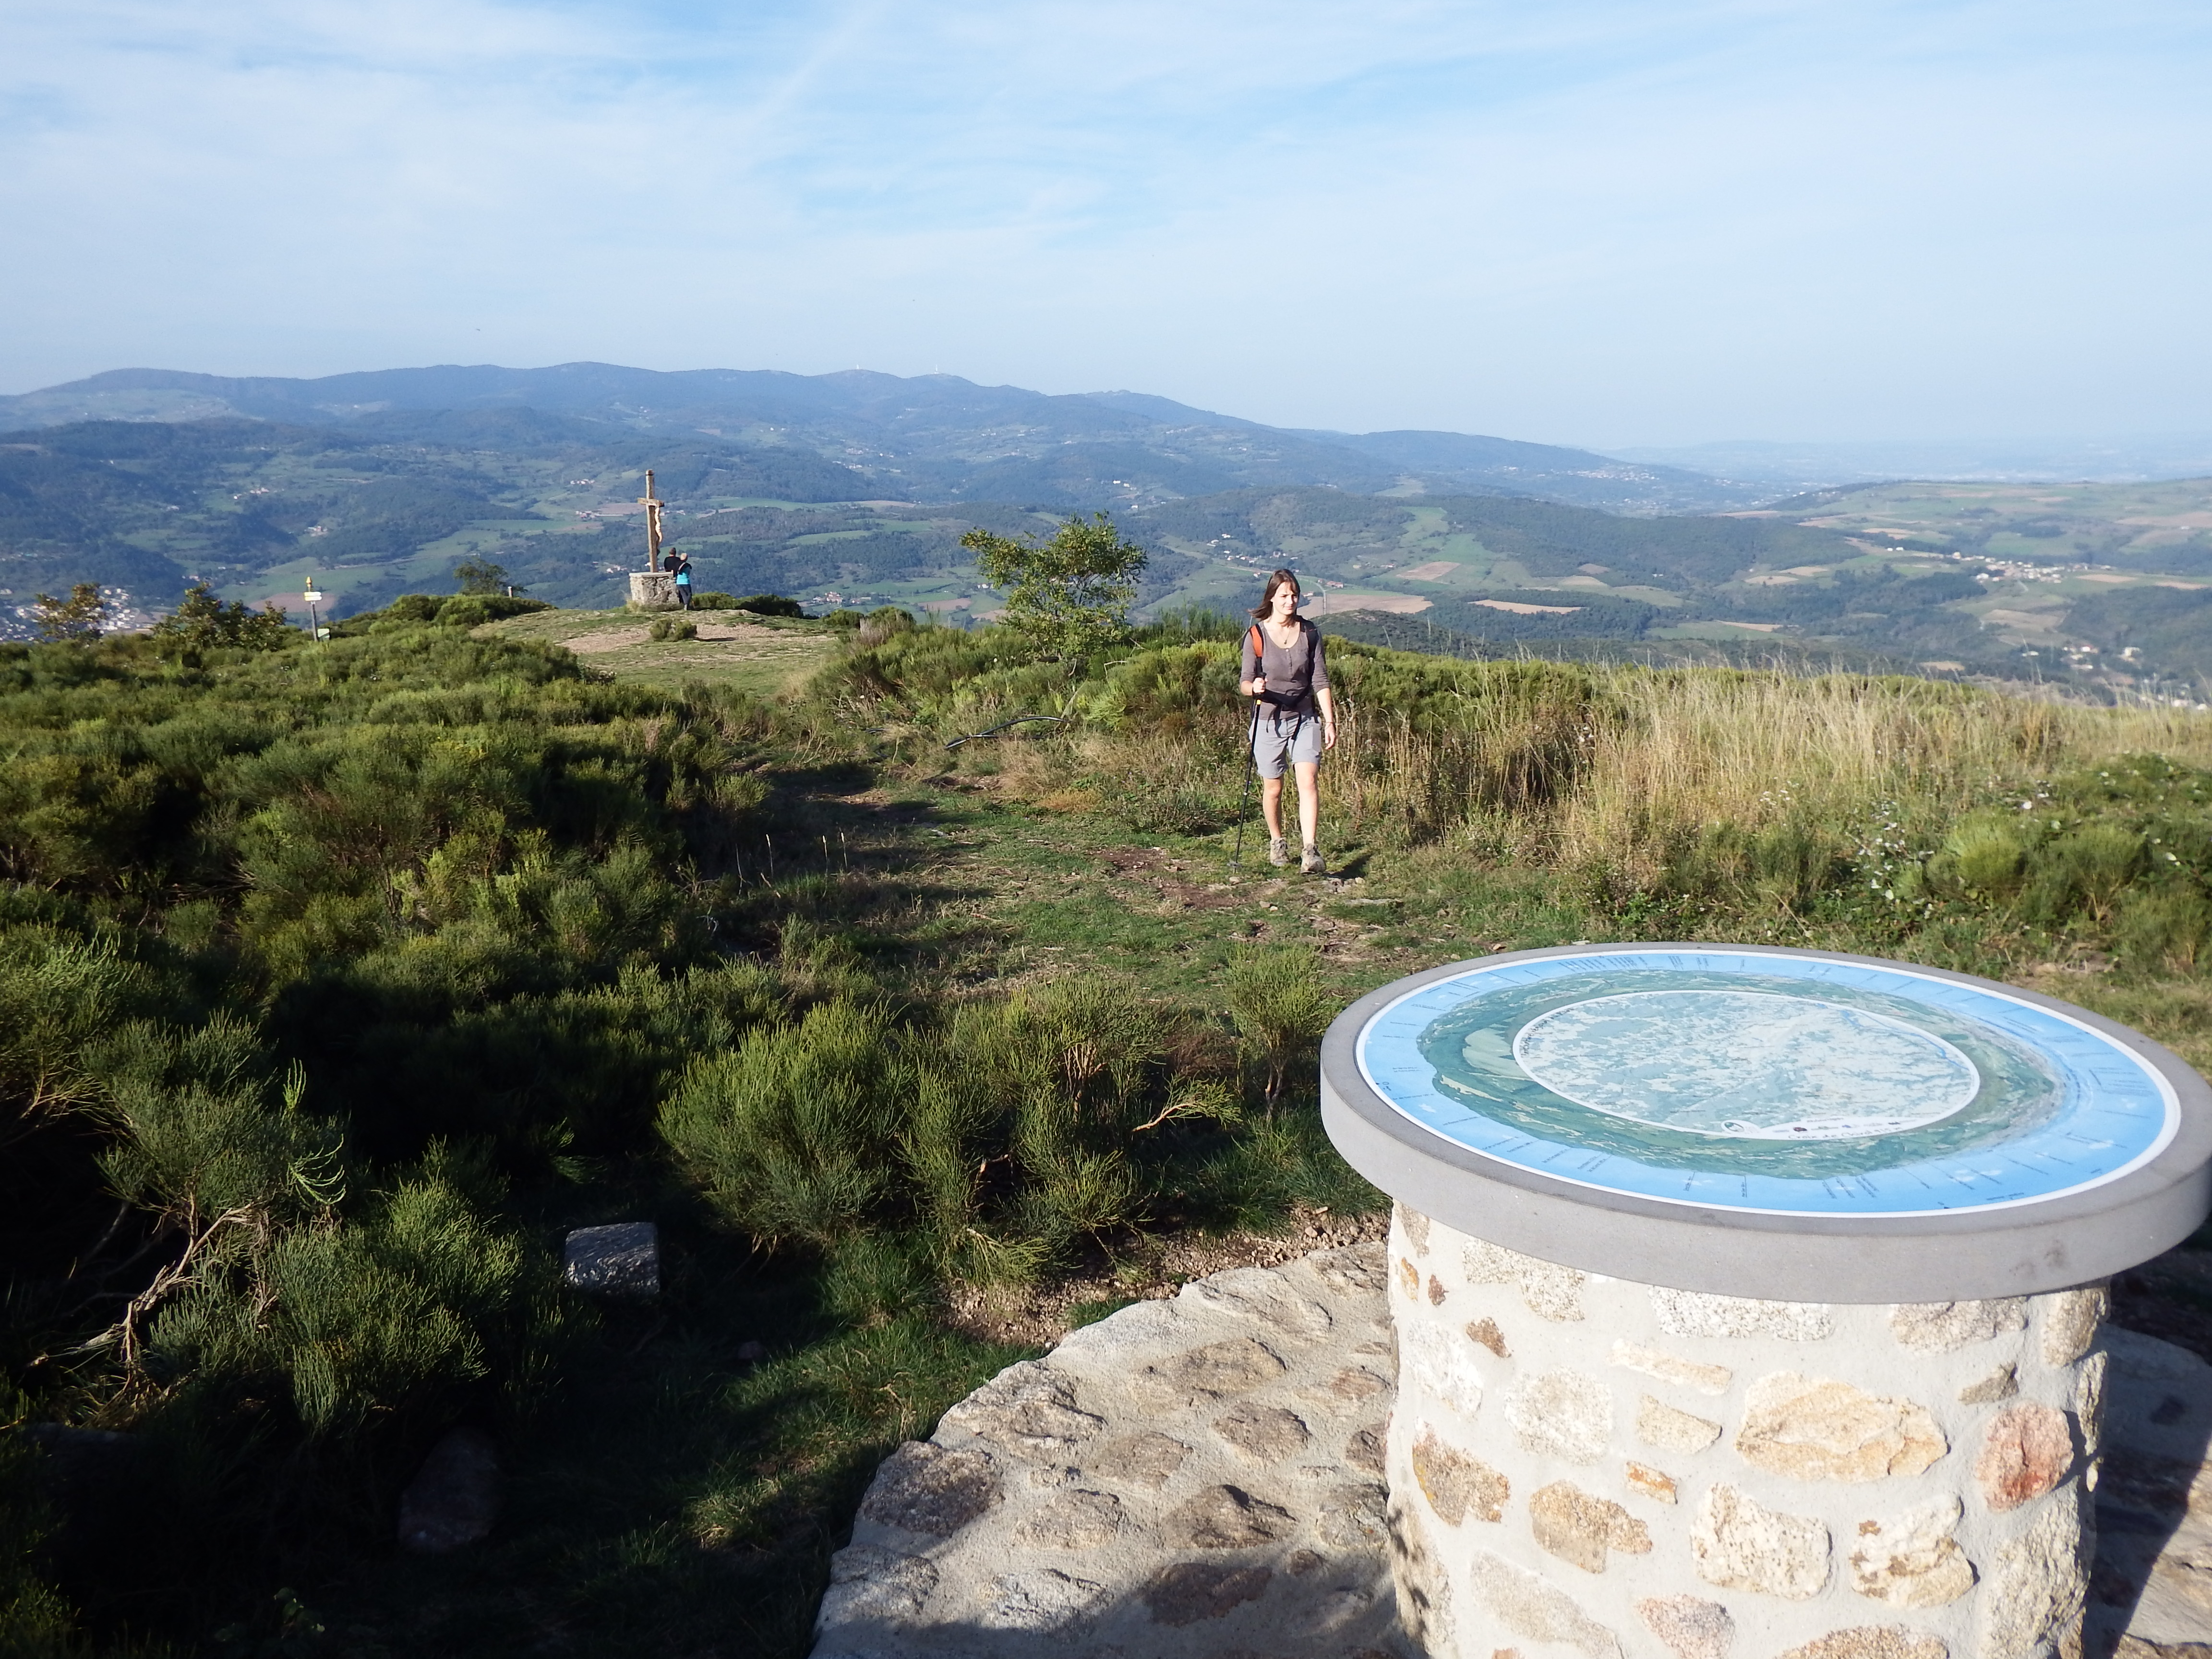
653,507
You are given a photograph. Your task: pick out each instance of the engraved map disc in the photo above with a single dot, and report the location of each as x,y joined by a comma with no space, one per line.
1766,1082
1746,1065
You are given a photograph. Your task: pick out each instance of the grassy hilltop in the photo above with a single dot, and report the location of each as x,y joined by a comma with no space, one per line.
337,981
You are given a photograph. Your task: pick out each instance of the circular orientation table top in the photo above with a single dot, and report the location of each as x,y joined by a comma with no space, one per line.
1791,1125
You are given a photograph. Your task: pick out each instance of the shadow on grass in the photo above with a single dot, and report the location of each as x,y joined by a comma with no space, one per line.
673,1497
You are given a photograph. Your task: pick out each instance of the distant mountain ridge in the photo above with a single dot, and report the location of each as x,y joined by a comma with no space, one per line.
932,437
1993,461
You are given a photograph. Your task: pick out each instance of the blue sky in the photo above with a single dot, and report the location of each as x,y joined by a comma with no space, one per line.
1596,222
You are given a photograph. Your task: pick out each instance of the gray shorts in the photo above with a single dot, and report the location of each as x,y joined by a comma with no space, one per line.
1284,738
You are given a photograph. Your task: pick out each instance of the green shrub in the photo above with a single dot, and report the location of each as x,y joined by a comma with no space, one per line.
951,1128
846,1126
872,1278
673,628
1187,623
767,604
202,623
2082,870
2163,928
407,608
792,1135
383,1315
465,610
206,1135
59,995
1174,691
462,610
36,1621
469,609
1280,1011
1072,1059
882,623
1986,854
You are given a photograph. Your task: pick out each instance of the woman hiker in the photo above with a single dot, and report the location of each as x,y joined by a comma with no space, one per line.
1284,667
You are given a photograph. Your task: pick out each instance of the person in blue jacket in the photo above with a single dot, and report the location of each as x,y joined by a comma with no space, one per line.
1286,668
682,566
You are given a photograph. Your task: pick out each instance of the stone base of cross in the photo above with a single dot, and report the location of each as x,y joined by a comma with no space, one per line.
653,590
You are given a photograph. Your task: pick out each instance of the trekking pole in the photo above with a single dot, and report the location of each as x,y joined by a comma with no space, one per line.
1251,765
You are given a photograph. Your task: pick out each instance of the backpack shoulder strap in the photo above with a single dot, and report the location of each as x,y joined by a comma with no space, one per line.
1259,644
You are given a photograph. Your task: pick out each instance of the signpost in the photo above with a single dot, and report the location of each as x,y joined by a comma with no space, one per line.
313,597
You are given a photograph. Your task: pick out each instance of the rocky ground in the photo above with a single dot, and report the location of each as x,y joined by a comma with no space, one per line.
1202,1476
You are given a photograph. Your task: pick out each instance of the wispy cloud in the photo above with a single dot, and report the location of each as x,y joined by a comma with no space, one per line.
1601,220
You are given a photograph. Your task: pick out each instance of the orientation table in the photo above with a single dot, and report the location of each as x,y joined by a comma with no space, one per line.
1747,1300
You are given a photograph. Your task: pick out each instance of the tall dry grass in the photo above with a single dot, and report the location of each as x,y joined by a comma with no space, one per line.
1674,779
1410,772
1756,787
1684,755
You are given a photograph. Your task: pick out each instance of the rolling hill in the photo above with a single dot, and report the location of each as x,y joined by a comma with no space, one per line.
855,489
933,437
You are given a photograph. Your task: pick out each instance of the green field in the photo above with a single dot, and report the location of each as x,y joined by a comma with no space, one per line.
2120,525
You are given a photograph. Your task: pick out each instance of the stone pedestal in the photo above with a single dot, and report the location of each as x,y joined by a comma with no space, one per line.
653,590
1747,1302
1585,1462
1077,1446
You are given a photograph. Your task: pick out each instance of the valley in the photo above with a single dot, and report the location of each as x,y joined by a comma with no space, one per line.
853,491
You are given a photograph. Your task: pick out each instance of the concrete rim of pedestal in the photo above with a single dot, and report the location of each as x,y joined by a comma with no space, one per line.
2044,1245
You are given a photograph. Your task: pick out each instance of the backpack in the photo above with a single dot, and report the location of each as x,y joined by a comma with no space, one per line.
1260,640
1278,699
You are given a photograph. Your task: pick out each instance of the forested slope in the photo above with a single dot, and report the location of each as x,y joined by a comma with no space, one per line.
2060,585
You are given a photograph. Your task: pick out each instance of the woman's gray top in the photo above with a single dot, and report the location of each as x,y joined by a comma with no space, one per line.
1293,673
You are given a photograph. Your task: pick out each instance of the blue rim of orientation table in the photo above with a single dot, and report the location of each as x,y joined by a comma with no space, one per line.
1787,1124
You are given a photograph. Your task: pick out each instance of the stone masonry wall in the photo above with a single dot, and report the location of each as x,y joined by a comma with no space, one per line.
1579,1464
1193,1479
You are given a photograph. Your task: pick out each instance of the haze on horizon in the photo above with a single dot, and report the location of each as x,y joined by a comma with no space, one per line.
1604,222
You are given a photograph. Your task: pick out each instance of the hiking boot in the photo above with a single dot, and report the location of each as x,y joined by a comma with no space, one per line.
1278,852
1310,861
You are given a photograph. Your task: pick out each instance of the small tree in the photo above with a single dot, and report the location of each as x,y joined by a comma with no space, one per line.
1069,594
482,576
204,622
83,616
